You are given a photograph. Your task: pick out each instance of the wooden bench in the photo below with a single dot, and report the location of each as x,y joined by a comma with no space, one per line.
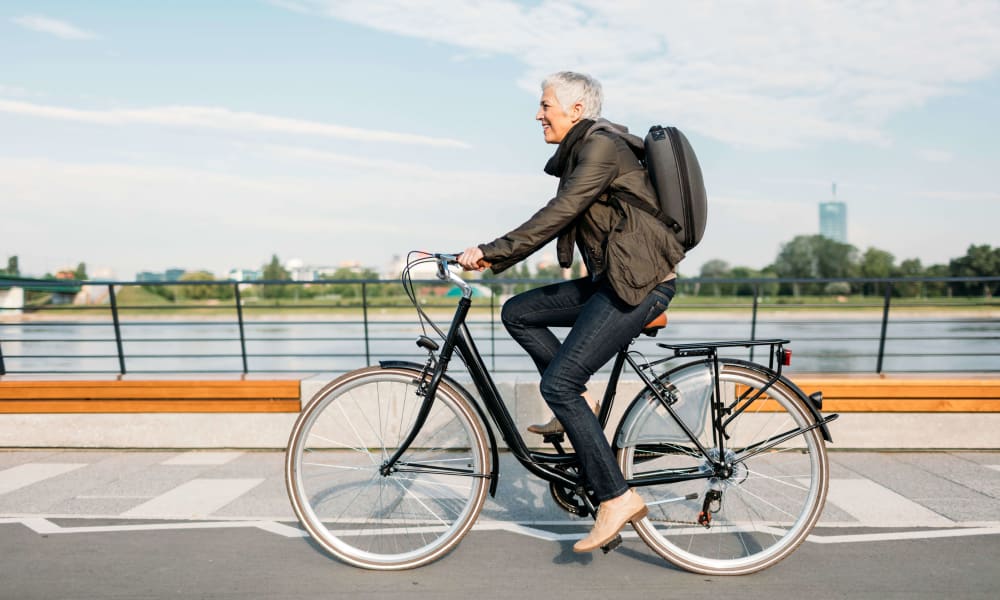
916,393
229,395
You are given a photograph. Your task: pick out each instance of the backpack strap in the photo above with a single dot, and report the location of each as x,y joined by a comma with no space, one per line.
632,199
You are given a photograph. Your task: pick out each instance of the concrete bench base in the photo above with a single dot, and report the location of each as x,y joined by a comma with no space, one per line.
895,412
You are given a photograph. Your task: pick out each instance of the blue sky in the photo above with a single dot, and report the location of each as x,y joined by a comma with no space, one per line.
211,135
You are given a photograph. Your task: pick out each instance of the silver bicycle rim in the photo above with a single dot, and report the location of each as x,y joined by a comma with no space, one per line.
767,508
402,520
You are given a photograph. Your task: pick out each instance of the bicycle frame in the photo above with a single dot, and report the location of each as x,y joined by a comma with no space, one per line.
553,467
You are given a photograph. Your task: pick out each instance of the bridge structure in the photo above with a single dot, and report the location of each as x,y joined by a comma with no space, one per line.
13,289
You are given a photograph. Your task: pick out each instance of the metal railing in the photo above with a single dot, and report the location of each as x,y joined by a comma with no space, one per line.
878,332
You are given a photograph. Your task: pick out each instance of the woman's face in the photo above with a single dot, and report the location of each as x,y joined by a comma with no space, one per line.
555,121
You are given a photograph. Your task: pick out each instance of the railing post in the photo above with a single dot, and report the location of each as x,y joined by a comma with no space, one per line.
239,318
364,308
753,318
3,369
118,328
493,332
885,324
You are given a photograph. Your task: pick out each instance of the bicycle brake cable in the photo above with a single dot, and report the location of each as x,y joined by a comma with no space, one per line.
407,280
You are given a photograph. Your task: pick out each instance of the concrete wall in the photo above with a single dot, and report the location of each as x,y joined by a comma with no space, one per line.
905,431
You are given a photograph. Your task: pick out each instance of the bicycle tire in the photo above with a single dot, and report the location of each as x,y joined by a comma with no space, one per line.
386,521
766,507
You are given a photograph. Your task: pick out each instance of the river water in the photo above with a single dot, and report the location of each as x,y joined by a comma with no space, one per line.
821,344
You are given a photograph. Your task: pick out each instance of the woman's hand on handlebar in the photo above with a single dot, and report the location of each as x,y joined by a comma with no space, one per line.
472,259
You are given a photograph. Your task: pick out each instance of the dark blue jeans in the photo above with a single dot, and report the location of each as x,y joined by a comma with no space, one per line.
602,324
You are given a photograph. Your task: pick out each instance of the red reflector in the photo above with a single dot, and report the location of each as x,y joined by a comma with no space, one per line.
786,357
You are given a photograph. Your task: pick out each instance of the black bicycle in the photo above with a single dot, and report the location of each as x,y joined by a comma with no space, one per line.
388,467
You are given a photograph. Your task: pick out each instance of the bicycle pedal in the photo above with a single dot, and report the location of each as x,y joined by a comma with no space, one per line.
614,543
554,438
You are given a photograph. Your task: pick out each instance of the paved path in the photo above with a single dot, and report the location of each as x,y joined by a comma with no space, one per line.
96,524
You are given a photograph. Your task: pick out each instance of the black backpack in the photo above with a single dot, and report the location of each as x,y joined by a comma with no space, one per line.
676,176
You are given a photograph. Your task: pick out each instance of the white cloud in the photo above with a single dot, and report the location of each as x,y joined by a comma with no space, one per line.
935,156
207,117
151,217
775,74
60,29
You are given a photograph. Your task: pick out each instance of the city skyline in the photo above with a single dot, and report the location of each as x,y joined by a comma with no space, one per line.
333,131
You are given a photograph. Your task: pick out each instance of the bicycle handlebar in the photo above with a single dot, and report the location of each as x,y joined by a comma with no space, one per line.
446,274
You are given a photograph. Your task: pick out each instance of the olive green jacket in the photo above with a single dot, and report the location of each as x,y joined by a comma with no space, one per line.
632,248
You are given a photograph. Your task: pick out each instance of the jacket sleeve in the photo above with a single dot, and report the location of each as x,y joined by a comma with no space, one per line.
596,168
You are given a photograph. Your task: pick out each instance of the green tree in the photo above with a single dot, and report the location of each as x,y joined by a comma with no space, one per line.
746,289
202,292
910,267
877,264
12,270
834,259
796,259
80,274
938,288
353,290
273,271
549,271
979,261
714,268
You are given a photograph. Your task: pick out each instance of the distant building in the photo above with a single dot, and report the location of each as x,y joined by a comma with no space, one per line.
244,275
170,275
833,219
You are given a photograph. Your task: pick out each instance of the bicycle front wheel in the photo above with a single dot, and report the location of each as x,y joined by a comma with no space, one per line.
749,516
386,518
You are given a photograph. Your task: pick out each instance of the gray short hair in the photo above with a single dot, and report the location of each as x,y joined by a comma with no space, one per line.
571,88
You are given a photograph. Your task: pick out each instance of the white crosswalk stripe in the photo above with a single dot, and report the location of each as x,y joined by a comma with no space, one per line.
877,506
202,458
21,476
195,499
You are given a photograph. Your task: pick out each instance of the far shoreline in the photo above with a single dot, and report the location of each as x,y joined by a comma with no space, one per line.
480,314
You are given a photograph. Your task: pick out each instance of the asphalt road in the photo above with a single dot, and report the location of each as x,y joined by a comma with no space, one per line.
143,525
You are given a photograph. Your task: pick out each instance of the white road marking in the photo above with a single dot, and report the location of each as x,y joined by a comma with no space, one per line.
46,527
195,499
876,506
21,476
902,535
203,458
43,526
281,529
994,467
111,497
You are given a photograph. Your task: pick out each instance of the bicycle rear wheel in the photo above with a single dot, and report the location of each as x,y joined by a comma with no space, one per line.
763,508
404,518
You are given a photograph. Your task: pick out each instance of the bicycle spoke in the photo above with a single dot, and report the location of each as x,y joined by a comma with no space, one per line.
419,508
770,495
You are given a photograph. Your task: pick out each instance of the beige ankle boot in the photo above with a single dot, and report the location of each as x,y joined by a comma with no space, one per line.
554,426
611,517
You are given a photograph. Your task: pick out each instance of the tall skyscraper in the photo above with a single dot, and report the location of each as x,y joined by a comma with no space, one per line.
833,219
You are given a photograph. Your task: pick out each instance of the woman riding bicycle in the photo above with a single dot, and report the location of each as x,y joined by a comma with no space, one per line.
630,258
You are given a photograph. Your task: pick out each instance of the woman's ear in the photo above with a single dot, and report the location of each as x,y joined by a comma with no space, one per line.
576,112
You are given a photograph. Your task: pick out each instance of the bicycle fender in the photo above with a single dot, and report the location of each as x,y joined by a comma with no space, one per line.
813,411
495,454
816,415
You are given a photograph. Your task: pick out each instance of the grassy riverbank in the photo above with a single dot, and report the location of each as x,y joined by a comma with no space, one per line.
135,302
